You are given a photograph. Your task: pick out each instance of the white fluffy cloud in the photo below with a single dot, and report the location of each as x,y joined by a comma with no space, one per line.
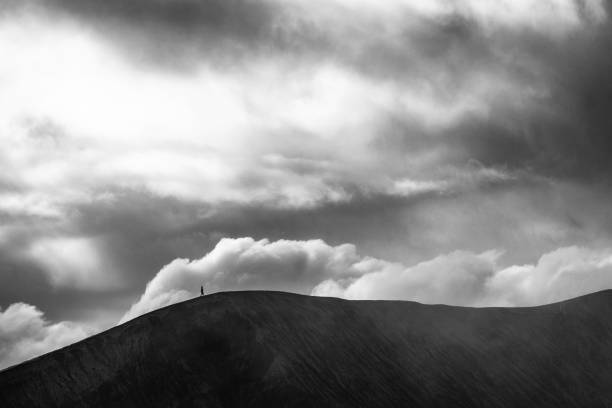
561,274
468,279
458,278
24,334
314,267
243,264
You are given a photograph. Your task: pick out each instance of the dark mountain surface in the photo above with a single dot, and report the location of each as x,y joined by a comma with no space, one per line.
268,349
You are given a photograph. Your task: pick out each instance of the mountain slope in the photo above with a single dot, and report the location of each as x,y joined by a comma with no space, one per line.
276,349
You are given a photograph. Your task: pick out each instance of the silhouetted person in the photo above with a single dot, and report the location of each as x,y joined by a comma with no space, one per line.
201,290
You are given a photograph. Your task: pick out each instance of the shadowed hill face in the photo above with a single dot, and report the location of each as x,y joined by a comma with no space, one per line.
275,349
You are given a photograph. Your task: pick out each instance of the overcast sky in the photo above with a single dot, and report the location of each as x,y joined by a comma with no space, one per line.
439,151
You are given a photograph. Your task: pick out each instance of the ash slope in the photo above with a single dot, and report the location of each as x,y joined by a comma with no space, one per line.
267,349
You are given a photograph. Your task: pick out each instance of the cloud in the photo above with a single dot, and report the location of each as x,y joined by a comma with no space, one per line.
244,263
24,334
181,33
468,279
314,267
141,131
560,274
465,80
74,262
457,278
177,34
135,234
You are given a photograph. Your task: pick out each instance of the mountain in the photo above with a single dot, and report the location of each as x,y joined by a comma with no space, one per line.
274,349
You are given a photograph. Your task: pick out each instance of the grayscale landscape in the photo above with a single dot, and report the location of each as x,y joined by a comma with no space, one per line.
275,349
230,203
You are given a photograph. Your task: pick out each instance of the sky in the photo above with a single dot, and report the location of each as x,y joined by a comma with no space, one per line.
437,151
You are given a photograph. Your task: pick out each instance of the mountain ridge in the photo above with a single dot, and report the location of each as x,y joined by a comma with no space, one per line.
262,348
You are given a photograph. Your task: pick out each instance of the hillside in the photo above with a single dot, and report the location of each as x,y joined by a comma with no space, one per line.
267,349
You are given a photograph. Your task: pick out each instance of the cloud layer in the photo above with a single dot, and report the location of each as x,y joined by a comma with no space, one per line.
314,267
24,334
135,132
236,264
441,84
468,279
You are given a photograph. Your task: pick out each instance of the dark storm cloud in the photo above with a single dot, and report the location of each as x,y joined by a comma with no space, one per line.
204,21
21,279
563,132
584,91
183,33
140,233
144,231
179,34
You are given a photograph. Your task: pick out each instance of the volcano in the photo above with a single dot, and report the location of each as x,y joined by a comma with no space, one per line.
275,349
